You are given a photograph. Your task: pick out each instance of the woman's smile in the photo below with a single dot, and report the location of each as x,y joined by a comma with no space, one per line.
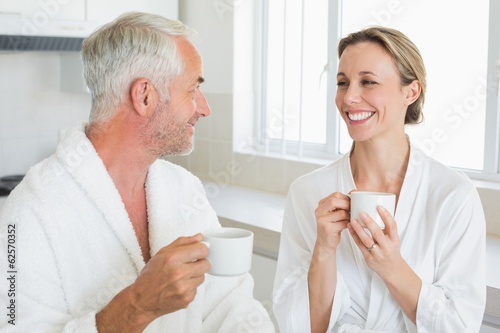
357,116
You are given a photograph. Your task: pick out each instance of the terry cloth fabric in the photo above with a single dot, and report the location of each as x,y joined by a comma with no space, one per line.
442,234
76,247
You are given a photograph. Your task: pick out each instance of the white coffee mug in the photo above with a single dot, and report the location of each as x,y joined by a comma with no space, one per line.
229,250
368,202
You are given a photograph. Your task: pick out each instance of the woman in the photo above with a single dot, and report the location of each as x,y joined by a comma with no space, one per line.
425,271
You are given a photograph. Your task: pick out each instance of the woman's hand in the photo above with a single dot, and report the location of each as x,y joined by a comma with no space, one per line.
382,254
382,249
332,216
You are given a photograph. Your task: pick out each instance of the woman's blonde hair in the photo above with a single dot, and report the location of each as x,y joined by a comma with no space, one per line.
406,57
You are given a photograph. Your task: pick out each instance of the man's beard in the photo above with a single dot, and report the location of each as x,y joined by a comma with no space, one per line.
165,137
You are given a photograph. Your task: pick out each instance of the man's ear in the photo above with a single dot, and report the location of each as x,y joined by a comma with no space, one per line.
144,96
413,91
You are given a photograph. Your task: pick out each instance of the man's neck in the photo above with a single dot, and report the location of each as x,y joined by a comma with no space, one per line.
127,164
126,161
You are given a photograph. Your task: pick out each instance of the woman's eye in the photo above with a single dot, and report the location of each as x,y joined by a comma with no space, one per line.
341,84
368,82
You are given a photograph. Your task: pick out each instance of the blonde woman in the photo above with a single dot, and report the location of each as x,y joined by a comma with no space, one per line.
425,271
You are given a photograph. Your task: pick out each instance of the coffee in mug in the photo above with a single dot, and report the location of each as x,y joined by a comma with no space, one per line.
229,250
368,202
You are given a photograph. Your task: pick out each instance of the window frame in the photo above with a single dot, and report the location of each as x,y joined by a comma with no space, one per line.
330,150
491,166
287,148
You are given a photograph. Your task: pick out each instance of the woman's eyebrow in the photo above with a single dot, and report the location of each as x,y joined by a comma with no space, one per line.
360,73
367,72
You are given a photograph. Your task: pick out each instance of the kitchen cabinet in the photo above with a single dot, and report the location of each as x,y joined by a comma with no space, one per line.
105,11
102,12
38,12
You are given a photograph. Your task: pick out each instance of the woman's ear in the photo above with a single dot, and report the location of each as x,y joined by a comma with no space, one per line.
413,91
144,96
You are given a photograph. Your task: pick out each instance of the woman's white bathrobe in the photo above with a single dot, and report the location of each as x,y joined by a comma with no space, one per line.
76,247
442,231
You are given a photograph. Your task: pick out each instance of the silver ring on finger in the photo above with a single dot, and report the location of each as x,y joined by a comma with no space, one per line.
372,247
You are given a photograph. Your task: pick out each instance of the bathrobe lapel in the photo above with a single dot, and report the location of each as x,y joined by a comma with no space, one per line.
176,206
380,298
382,306
170,213
163,208
94,179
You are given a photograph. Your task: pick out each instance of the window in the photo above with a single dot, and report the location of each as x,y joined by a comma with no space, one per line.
455,53
297,62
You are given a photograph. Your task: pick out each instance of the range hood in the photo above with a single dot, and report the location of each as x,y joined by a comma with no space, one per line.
19,33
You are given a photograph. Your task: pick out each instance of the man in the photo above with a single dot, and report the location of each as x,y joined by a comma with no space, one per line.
107,236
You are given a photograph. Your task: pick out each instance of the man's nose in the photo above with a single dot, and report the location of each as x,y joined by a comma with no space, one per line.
202,107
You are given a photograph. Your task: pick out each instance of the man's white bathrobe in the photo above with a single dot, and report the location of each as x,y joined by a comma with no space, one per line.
76,247
442,231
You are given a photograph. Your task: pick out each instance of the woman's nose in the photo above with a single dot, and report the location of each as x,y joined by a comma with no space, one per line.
352,95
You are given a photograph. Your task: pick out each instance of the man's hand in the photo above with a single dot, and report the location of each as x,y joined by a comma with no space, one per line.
170,279
166,284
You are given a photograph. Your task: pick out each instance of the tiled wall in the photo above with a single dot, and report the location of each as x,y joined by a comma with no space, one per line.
213,158
33,109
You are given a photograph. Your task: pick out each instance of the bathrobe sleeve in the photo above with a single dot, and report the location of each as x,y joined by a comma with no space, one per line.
454,302
37,291
290,296
230,306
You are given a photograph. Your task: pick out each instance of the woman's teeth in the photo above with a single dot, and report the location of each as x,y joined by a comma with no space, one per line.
359,115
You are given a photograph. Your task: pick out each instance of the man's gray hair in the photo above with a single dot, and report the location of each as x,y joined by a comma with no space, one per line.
135,45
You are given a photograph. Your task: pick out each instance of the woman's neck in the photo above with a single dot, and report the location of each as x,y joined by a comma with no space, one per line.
380,166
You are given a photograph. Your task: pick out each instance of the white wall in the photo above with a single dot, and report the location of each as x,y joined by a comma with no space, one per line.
214,22
33,108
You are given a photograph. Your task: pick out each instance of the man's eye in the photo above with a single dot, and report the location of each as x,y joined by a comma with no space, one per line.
194,93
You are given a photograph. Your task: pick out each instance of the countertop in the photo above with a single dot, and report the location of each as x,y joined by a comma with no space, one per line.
256,208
